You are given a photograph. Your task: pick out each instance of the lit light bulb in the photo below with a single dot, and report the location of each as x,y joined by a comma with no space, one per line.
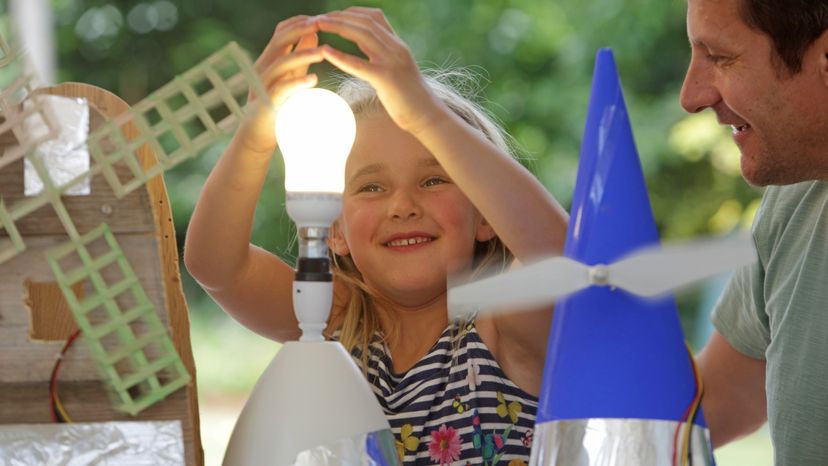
315,129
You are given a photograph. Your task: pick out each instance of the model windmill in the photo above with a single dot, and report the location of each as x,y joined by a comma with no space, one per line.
619,386
90,252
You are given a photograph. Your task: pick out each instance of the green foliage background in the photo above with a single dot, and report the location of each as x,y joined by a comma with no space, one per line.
534,58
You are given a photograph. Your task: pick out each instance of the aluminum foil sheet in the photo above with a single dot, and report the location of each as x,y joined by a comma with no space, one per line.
65,156
614,442
144,443
372,449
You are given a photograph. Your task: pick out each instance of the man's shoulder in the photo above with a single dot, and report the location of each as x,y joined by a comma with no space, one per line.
790,232
791,210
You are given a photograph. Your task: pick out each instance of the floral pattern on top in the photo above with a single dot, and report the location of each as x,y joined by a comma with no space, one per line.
445,445
455,406
407,442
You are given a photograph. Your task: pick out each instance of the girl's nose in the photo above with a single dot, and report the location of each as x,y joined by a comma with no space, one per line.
403,205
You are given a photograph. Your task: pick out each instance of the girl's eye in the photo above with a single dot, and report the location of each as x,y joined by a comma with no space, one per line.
434,181
370,188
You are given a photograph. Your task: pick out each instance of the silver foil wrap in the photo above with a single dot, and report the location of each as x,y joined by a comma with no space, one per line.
144,443
65,156
615,442
372,449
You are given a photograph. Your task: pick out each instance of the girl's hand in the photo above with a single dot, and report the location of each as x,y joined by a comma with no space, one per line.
390,67
283,69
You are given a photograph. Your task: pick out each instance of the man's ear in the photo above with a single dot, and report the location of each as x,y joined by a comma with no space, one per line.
822,47
336,241
485,232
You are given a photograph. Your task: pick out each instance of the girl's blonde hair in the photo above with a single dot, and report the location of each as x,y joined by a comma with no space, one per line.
361,321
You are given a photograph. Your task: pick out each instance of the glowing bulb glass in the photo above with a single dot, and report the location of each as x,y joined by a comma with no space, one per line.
315,129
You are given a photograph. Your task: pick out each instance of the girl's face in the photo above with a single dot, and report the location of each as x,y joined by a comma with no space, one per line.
404,222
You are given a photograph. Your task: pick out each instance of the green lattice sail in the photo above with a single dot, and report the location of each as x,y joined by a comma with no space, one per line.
13,245
119,323
178,120
6,54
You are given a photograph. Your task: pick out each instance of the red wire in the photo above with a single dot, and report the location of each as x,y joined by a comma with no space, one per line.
678,429
696,400
53,378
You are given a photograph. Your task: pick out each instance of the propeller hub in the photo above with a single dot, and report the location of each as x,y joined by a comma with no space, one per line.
599,275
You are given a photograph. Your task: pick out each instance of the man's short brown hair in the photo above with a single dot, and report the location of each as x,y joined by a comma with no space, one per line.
792,25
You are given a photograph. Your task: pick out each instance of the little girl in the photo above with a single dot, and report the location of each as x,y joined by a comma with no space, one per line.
431,191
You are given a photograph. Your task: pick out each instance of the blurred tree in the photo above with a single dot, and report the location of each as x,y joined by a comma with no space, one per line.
535,64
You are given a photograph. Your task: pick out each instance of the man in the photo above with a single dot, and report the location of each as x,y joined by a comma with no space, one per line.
762,66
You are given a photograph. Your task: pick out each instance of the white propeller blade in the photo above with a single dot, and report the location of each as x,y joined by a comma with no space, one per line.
532,285
648,272
657,270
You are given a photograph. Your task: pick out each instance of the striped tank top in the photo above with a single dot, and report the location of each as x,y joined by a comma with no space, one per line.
455,406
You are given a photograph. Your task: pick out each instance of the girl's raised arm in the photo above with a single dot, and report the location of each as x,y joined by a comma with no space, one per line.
251,284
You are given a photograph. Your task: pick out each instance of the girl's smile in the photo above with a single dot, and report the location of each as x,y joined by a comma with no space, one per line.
411,241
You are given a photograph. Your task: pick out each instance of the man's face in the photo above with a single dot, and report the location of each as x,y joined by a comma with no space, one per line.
779,120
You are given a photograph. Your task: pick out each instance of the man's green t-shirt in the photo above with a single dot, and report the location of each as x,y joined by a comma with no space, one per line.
777,310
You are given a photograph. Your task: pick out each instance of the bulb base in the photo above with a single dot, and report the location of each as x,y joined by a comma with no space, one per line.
313,242
313,209
313,269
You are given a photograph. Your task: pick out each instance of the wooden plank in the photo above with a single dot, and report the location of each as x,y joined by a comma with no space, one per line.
26,361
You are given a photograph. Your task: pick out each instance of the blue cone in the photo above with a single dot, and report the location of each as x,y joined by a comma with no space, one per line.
613,358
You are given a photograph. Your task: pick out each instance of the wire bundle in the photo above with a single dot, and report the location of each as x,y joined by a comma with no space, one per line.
682,453
57,410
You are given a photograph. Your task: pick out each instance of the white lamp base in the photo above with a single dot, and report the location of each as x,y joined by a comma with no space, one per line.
311,394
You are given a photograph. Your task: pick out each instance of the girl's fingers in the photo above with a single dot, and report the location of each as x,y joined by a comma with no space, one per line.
375,14
365,38
348,63
383,30
288,86
295,64
355,17
308,41
290,21
280,89
283,41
